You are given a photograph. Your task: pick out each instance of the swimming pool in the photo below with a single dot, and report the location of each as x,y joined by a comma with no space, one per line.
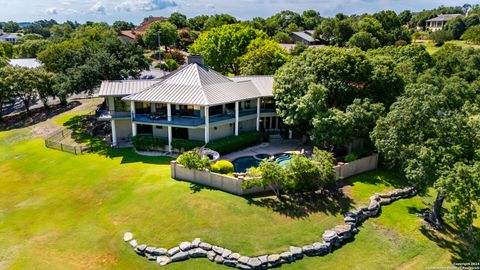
242,164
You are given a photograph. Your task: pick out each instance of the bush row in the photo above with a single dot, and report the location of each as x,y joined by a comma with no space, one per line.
187,145
147,142
234,143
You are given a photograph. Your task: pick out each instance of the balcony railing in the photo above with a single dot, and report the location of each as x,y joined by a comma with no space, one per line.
187,120
108,115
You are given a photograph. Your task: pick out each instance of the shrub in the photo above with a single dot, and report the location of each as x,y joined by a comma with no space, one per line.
187,145
175,55
223,167
440,37
304,175
268,174
193,160
351,157
169,65
234,143
147,142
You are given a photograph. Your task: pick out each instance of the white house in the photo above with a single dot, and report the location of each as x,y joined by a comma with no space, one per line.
439,22
194,102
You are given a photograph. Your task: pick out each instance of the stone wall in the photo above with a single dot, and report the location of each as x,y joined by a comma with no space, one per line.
330,240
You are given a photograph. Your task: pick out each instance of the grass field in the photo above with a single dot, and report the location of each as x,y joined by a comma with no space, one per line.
431,48
61,211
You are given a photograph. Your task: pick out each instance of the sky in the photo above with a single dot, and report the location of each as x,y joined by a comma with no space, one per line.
136,10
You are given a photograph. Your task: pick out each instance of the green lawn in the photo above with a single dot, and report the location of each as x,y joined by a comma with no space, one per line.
61,211
431,48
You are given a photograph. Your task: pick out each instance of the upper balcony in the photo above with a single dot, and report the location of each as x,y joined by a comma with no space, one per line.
106,115
190,121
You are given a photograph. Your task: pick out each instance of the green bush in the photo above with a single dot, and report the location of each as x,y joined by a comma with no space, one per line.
351,157
223,167
187,145
193,160
147,142
234,143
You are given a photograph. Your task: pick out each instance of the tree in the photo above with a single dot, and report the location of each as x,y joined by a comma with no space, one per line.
5,90
30,48
27,37
263,57
456,27
166,30
43,82
388,19
325,163
22,84
472,34
287,17
364,41
269,173
426,133
198,23
61,31
282,37
11,27
303,175
7,49
219,20
299,48
441,36
335,31
178,19
122,25
405,17
222,47
311,19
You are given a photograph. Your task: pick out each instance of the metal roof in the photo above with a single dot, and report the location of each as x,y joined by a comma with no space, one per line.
264,83
123,87
196,84
25,62
443,17
305,35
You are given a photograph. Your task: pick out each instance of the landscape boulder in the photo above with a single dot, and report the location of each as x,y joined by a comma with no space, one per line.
180,256
163,260
205,246
128,236
296,252
173,251
185,246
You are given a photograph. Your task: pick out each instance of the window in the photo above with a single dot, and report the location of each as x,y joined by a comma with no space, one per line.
247,104
215,110
142,107
121,106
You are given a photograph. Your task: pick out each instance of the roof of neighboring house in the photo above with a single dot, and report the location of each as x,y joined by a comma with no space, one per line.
305,35
8,36
25,62
196,84
443,17
123,87
140,30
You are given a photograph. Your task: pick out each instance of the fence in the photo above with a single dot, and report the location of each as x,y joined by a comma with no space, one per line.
55,142
234,185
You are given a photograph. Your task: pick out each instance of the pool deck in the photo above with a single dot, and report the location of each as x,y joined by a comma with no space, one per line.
271,148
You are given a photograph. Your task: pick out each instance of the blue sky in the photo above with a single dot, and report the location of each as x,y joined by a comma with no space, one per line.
136,10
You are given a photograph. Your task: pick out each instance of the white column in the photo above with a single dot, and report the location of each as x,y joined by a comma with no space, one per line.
152,107
169,112
258,114
134,129
132,108
290,134
114,133
169,138
236,117
207,125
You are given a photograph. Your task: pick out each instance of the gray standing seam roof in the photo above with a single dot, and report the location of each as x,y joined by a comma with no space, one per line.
25,62
443,17
123,87
305,35
264,83
196,84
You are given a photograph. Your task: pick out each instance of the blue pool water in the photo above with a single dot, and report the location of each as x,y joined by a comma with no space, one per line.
243,163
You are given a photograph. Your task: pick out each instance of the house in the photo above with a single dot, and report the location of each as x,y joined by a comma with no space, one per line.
305,37
439,22
10,38
131,35
25,62
194,103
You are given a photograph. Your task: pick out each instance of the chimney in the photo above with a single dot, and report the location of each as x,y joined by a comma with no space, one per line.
195,58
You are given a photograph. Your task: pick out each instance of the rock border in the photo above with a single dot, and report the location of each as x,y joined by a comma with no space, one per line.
332,239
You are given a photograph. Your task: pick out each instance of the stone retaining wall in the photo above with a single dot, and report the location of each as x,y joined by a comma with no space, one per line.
331,240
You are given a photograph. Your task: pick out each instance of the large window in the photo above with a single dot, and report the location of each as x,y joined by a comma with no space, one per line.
247,104
187,110
142,107
161,108
121,106
268,103
216,110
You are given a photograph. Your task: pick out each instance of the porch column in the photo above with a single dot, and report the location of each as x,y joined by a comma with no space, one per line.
258,114
152,107
134,129
207,125
114,133
132,109
134,125
169,112
236,117
169,138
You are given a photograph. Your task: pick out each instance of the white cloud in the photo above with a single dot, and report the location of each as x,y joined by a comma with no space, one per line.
99,7
145,5
52,11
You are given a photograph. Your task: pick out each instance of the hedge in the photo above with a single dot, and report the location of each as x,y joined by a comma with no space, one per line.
147,142
187,145
234,143
222,167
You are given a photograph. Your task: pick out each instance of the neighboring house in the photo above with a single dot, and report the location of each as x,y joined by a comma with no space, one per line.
131,35
25,62
305,37
194,102
439,22
10,38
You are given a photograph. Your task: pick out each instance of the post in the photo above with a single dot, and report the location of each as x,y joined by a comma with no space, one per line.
258,114
132,109
169,138
114,133
134,129
290,134
169,112
236,117
207,125
159,48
